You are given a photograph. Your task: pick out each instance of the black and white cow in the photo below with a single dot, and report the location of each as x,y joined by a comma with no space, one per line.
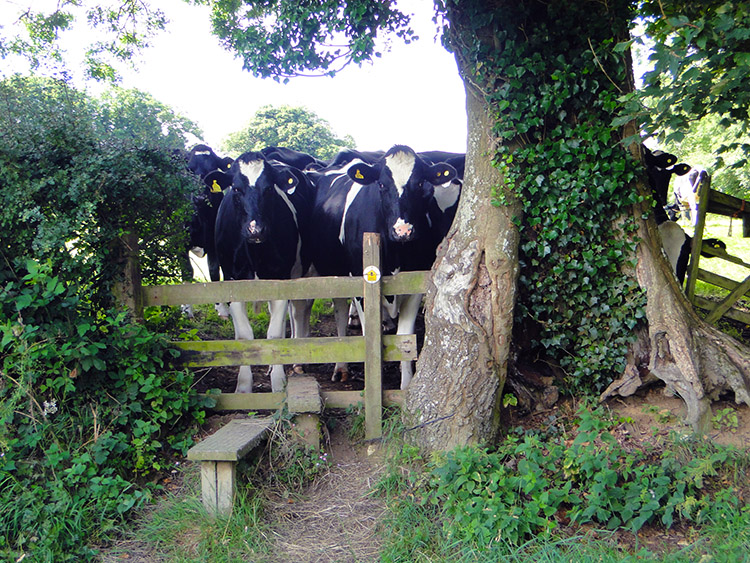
205,163
262,229
677,244
291,157
346,156
445,199
390,197
686,192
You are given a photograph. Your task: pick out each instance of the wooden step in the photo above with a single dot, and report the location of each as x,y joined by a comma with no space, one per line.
218,455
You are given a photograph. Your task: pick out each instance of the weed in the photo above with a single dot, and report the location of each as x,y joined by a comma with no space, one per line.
357,429
289,463
486,505
725,419
662,416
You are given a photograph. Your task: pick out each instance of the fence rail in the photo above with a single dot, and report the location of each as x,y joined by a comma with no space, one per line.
712,201
372,349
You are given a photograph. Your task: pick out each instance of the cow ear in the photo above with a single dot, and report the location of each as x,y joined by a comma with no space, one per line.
681,169
217,181
441,173
363,173
659,159
286,181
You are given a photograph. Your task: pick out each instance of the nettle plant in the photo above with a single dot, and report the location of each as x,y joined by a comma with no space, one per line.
577,183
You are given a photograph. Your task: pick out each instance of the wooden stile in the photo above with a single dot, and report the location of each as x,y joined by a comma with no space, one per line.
373,349
218,455
712,201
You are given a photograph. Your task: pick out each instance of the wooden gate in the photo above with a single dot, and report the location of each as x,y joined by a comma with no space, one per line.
372,349
712,201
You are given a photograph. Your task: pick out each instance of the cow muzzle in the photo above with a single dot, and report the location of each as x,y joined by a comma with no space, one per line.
254,232
402,231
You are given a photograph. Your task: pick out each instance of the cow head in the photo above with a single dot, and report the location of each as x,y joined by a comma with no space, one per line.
255,183
202,160
660,166
406,184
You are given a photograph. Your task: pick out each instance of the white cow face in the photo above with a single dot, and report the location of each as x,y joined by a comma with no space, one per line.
256,183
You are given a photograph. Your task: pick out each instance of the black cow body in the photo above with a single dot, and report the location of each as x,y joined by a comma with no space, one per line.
676,242
262,229
390,197
296,159
202,162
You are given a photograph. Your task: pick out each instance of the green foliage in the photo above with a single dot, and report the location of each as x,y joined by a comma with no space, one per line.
698,148
529,482
725,419
83,173
89,404
579,303
285,126
122,30
287,38
700,63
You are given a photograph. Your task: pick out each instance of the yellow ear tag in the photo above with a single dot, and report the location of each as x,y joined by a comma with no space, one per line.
358,175
290,181
215,187
446,173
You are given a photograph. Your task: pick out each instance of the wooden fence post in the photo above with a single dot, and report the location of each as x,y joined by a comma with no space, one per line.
704,194
373,337
127,290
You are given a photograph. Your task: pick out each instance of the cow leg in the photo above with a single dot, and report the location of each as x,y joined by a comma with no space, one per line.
390,311
407,318
341,314
300,310
353,318
214,274
277,329
360,312
242,331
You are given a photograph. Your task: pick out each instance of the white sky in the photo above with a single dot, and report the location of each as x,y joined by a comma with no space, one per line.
412,95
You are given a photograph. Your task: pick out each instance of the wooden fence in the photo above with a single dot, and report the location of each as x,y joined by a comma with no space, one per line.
712,201
372,349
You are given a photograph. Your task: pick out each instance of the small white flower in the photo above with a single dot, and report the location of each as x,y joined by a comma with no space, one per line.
50,407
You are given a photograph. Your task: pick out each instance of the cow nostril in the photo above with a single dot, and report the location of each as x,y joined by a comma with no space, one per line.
403,229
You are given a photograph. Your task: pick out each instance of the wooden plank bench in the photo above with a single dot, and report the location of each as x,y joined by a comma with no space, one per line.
218,455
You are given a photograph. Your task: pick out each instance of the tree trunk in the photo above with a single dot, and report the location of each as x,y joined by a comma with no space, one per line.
454,398
695,360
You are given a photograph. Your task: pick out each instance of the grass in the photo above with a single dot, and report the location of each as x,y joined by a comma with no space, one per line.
717,226
178,529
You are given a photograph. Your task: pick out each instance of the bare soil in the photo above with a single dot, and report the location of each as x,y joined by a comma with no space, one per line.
336,520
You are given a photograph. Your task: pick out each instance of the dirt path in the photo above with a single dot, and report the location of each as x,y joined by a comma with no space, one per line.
337,519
